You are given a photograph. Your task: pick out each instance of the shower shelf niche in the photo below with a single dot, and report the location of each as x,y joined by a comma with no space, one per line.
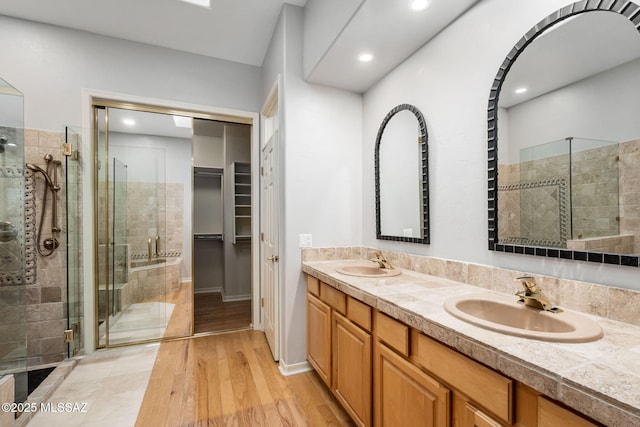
242,202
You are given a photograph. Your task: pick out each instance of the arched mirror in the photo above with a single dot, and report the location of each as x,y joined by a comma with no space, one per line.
564,136
401,167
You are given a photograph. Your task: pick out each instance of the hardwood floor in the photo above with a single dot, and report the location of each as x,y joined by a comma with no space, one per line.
214,315
231,380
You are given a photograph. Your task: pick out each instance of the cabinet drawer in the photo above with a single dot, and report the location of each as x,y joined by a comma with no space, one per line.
313,285
359,313
334,298
469,377
395,334
550,414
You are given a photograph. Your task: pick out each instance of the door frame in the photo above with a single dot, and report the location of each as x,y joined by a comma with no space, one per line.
88,178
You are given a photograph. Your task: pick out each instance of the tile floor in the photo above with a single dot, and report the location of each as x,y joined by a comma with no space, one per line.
140,321
105,389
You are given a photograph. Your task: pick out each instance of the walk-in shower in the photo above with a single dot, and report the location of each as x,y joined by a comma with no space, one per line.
13,254
40,253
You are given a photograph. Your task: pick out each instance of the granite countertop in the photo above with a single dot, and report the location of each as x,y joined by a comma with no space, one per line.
600,379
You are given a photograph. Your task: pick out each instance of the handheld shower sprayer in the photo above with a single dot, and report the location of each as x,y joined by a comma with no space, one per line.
51,243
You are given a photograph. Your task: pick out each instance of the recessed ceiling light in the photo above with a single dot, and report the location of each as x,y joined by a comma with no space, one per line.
128,122
182,121
201,3
419,5
521,90
365,57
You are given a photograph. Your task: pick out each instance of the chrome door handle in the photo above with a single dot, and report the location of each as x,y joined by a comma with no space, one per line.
157,246
273,258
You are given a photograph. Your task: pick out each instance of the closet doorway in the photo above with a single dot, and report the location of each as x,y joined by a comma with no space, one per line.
173,230
221,225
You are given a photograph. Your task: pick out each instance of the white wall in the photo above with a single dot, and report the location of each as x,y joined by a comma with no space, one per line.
51,65
320,168
449,81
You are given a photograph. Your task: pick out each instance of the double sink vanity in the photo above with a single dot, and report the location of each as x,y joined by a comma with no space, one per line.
400,347
438,342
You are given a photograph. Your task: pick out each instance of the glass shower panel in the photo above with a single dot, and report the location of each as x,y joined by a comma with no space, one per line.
594,188
16,237
73,192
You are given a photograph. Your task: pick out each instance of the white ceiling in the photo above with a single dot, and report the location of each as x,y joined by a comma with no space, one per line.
391,32
241,30
235,30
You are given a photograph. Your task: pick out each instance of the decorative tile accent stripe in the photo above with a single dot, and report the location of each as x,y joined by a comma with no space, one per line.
24,249
559,184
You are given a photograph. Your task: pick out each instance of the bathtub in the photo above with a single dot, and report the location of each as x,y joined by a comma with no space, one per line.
150,279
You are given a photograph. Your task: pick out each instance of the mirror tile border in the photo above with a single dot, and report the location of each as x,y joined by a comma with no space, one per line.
424,139
629,10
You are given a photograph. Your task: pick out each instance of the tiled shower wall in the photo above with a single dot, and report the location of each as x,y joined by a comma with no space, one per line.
534,199
46,311
154,209
630,190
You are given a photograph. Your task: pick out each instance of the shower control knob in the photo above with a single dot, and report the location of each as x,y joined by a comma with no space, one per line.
51,244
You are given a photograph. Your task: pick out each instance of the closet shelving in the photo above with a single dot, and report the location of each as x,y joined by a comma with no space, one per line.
208,203
242,202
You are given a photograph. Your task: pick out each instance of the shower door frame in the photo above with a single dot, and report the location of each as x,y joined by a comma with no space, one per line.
94,99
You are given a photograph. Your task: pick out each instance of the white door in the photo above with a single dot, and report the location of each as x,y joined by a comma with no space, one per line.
269,244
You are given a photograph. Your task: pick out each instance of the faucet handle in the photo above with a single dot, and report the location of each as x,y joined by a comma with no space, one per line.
529,283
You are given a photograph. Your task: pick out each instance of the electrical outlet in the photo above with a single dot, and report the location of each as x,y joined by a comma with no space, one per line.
304,240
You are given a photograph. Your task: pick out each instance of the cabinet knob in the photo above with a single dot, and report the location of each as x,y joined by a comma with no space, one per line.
273,258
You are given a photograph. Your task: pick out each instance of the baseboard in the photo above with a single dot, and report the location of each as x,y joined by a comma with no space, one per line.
207,290
296,368
228,298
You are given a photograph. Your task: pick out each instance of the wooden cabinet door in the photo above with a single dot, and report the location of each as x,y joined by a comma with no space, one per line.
352,368
319,337
405,395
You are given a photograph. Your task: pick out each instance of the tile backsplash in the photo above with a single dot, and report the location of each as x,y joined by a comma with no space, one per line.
606,301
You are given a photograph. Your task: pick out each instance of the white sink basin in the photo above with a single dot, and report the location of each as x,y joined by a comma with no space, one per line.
368,271
502,313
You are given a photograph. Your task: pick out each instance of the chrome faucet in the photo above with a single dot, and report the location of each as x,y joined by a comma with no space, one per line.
381,261
532,296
